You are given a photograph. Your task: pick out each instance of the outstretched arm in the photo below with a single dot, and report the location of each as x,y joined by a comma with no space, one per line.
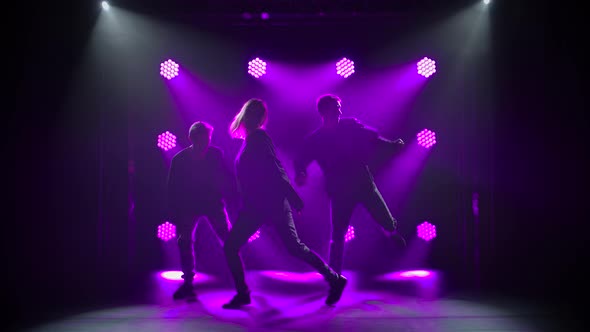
376,147
302,161
382,150
393,146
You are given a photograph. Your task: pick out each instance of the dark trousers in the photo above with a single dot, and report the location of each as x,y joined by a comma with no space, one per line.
281,218
185,227
342,207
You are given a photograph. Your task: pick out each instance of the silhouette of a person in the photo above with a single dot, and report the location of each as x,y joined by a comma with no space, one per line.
199,183
267,197
343,149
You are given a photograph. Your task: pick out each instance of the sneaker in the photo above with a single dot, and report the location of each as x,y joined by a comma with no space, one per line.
186,291
336,289
238,301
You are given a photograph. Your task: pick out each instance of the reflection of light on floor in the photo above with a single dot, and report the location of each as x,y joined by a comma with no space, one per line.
177,276
425,282
359,310
293,276
417,273
372,308
409,275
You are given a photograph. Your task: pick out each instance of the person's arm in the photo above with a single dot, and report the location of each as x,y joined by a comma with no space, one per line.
380,149
302,160
376,147
392,146
376,142
274,168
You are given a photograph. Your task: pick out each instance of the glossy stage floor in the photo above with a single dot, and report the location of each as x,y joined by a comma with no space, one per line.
289,301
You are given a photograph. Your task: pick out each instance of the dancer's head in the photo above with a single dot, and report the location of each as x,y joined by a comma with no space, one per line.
252,116
200,135
329,108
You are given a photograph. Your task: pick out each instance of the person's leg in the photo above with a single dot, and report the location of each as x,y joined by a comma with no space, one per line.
244,227
185,227
379,211
341,210
287,232
285,226
219,221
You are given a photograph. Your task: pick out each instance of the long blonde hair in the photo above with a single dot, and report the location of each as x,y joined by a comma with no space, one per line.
253,115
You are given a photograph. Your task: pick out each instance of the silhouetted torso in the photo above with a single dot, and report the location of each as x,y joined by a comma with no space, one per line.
196,184
343,154
261,177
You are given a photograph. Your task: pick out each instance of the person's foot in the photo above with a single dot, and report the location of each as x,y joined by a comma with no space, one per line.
239,300
186,291
336,289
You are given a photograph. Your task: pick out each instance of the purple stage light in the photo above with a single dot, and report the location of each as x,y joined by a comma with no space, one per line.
426,67
166,231
345,67
426,231
257,68
254,236
426,138
169,69
166,141
349,234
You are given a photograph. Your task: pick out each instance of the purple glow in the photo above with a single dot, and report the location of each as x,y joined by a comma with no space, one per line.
345,67
166,141
166,231
294,276
475,204
426,231
349,234
177,276
426,138
426,67
415,273
169,69
409,275
254,236
257,68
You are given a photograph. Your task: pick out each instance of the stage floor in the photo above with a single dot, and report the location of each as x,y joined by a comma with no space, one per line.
287,301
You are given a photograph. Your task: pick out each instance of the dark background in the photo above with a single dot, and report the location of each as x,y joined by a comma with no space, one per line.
63,245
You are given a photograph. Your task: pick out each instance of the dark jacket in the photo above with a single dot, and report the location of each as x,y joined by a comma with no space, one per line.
195,186
262,179
344,154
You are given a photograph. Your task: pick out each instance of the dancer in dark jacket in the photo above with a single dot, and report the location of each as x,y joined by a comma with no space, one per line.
199,183
343,148
267,196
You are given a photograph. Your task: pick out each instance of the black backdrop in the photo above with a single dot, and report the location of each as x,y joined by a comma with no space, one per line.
67,195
